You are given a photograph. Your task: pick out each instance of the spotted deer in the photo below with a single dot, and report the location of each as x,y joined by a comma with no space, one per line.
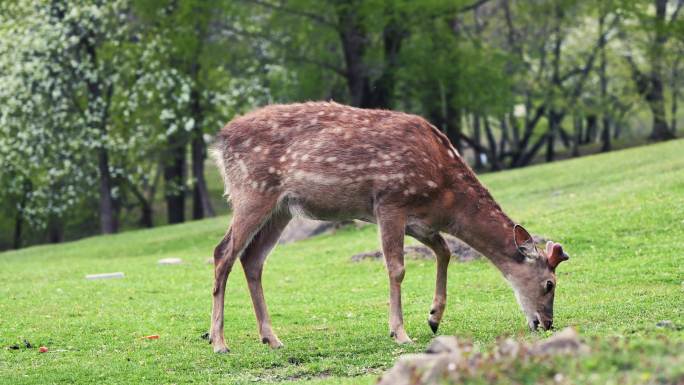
334,162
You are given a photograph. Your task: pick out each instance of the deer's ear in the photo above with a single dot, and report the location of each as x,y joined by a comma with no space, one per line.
556,255
521,236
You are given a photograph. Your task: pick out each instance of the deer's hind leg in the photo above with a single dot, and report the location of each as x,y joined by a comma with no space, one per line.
442,254
249,215
253,263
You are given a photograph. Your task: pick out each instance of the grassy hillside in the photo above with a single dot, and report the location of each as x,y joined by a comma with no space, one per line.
620,216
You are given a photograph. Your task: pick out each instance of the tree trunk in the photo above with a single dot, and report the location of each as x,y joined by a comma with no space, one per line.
554,126
174,178
603,80
577,137
656,102
655,95
504,138
97,112
476,139
590,129
55,230
454,127
491,141
201,203
675,94
18,221
353,38
108,222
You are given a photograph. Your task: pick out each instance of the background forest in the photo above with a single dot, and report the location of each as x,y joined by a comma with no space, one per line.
107,107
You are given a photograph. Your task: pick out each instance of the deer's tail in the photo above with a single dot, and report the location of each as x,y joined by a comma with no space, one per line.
218,151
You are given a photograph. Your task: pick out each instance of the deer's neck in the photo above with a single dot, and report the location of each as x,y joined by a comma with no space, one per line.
479,221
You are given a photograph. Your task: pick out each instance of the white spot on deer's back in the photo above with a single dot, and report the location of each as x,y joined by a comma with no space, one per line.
431,184
331,159
271,170
305,157
283,159
316,178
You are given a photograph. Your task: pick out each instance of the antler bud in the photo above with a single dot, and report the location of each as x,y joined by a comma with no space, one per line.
555,254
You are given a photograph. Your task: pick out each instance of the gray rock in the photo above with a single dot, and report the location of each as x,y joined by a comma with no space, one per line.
666,324
443,344
302,228
566,341
447,358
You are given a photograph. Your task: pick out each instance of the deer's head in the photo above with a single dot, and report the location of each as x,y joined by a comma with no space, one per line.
533,278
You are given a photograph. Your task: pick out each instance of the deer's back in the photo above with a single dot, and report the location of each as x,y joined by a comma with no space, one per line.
327,158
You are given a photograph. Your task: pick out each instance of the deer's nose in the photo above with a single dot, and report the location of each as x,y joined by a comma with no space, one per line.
535,324
548,325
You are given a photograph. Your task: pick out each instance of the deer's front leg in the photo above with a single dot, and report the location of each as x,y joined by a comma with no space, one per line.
392,227
442,255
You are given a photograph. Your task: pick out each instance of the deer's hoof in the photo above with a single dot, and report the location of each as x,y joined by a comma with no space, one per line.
433,326
221,349
401,338
273,342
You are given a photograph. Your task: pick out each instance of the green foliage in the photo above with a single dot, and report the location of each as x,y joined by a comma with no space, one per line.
619,216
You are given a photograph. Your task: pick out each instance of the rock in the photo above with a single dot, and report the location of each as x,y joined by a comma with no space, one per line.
443,344
448,359
666,324
566,341
170,261
301,228
105,276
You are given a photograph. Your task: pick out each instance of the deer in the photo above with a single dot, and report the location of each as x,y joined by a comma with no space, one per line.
329,161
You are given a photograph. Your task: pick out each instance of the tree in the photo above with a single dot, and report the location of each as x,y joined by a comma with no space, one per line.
650,83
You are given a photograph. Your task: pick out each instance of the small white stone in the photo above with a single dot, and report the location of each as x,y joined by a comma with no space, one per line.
170,261
105,276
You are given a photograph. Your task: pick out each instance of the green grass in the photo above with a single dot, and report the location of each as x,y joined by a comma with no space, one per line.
620,216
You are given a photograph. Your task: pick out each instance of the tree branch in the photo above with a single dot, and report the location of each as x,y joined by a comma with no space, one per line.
290,55
309,15
680,3
472,6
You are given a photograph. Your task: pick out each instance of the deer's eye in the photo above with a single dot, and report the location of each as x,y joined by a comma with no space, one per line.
549,286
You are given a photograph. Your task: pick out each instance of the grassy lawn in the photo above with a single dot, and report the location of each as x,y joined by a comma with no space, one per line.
620,216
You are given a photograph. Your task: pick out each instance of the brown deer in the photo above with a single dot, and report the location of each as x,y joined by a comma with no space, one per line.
330,161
